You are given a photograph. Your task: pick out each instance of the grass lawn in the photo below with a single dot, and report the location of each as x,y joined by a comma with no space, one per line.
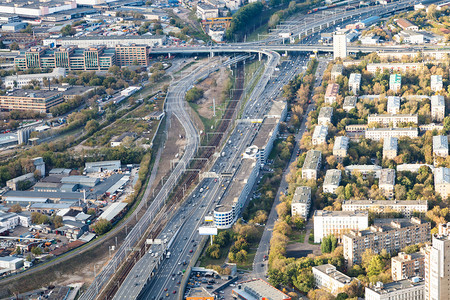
248,263
297,236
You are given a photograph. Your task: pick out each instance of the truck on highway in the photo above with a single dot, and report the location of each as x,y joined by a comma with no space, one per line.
168,254
201,190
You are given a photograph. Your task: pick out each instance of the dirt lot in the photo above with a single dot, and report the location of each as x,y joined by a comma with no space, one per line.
213,87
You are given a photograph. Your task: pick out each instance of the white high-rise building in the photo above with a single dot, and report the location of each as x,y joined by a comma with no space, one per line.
437,269
339,45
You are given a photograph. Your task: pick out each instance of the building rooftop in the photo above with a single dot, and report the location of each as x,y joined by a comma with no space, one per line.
312,159
396,286
341,143
386,202
354,78
387,176
350,101
392,115
393,102
386,225
302,194
440,143
402,257
331,271
112,211
362,167
437,101
259,289
332,90
265,132
390,143
326,112
441,175
403,23
45,195
340,213
337,69
113,37
395,79
32,93
332,177
320,132
410,129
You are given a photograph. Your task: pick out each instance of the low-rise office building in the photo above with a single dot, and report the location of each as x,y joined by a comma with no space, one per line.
332,181
110,41
320,135
378,134
328,278
389,234
393,104
407,25
311,164
392,119
19,81
36,100
337,223
437,108
395,82
336,71
442,181
365,170
349,103
387,182
354,83
403,289
325,115
406,207
406,266
301,202
206,11
390,147
331,93
257,289
14,183
340,148
436,83
440,146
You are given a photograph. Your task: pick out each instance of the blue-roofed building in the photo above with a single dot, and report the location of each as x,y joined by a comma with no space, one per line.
369,21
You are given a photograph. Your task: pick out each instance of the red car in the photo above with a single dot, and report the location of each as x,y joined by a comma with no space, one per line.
174,292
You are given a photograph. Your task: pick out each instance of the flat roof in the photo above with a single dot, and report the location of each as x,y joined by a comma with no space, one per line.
354,78
387,176
437,101
31,93
396,286
441,175
265,132
350,101
440,142
326,112
113,37
320,131
46,195
390,143
341,143
237,184
332,90
386,202
338,68
260,287
340,213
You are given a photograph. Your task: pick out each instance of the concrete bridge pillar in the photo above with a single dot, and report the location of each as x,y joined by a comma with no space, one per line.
259,56
169,55
285,53
212,54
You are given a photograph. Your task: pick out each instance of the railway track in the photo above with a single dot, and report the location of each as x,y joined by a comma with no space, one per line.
189,179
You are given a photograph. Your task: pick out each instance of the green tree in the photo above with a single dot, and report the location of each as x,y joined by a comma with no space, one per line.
102,226
304,281
18,250
38,218
36,251
325,247
68,30
194,94
14,46
16,208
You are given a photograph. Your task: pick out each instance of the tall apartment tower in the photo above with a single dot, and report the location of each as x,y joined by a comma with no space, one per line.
437,269
339,45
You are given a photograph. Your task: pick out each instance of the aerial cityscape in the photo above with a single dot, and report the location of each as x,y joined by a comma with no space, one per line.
225,149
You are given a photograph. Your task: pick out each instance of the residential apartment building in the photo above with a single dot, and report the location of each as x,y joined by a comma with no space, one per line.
389,234
349,103
339,45
436,83
406,266
387,182
127,55
331,93
393,105
328,278
320,135
392,119
336,71
395,82
393,67
354,83
406,207
378,134
414,168
110,41
311,164
340,148
36,100
437,268
338,223
440,146
437,108
325,115
70,58
365,170
301,202
406,289
442,181
206,11
332,181
390,147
